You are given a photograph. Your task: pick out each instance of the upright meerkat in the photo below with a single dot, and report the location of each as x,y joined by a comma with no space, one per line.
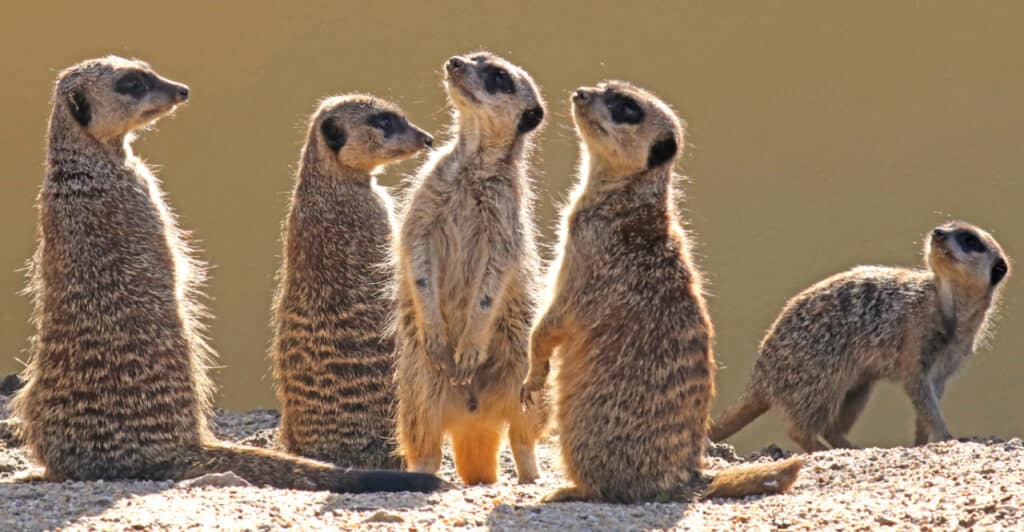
332,361
467,274
117,385
834,340
627,316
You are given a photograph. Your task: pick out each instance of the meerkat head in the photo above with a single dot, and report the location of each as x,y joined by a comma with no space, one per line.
626,128
501,96
364,132
110,97
966,255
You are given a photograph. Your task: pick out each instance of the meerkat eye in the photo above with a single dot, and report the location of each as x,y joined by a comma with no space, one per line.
624,109
388,123
970,242
131,84
496,79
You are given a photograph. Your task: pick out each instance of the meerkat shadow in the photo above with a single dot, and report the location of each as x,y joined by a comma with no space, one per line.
29,486
591,516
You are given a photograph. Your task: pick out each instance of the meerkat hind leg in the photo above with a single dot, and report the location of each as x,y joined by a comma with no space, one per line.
807,441
853,405
476,451
523,434
419,443
568,494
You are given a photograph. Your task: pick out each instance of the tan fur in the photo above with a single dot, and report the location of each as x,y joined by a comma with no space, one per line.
333,363
467,275
116,384
833,341
627,319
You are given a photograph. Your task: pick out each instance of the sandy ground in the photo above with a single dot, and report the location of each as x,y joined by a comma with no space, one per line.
975,484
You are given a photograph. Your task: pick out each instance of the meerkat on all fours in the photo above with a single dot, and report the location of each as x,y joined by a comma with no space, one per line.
116,384
833,341
332,361
627,317
466,280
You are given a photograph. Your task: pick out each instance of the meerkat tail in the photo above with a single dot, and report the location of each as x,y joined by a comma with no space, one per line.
758,479
280,470
748,409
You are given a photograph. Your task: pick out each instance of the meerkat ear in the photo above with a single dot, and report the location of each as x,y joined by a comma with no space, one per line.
662,151
334,136
999,270
80,108
530,119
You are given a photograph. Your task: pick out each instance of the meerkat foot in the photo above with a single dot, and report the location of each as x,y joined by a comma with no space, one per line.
526,463
567,494
839,441
33,475
807,441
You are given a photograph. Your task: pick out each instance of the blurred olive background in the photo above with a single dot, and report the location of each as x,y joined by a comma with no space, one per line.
821,135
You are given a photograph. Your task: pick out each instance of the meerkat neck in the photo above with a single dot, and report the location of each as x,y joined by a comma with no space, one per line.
71,149
490,145
961,308
602,179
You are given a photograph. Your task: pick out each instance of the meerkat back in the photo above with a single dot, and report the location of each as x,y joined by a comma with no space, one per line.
333,358
116,381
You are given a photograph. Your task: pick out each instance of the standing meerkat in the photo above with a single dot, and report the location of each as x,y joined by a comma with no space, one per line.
834,340
332,362
626,313
467,273
117,385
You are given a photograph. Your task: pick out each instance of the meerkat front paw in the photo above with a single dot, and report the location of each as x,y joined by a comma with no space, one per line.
468,356
439,352
534,382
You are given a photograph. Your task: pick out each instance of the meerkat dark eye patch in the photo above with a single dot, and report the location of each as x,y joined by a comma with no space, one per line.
530,119
80,108
624,109
496,79
133,84
999,270
662,151
970,242
334,135
389,123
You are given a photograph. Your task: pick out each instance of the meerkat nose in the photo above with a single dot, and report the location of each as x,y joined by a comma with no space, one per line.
428,140
183,92
455,63
580,96
938,234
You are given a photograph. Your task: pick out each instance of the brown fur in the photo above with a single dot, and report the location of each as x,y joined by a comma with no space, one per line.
833,341
117,385
626,314
332,361
467,274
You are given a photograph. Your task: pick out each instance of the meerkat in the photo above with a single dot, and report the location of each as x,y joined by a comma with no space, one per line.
627,316
332,361
467,280
116,384
835,340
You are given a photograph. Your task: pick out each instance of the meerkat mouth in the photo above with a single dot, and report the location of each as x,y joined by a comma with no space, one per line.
596,125
461,89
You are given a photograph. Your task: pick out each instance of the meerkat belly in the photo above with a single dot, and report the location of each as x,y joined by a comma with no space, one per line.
115,363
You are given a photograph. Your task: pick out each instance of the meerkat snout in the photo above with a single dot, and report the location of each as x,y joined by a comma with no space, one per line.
183,92
580,96
455,63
